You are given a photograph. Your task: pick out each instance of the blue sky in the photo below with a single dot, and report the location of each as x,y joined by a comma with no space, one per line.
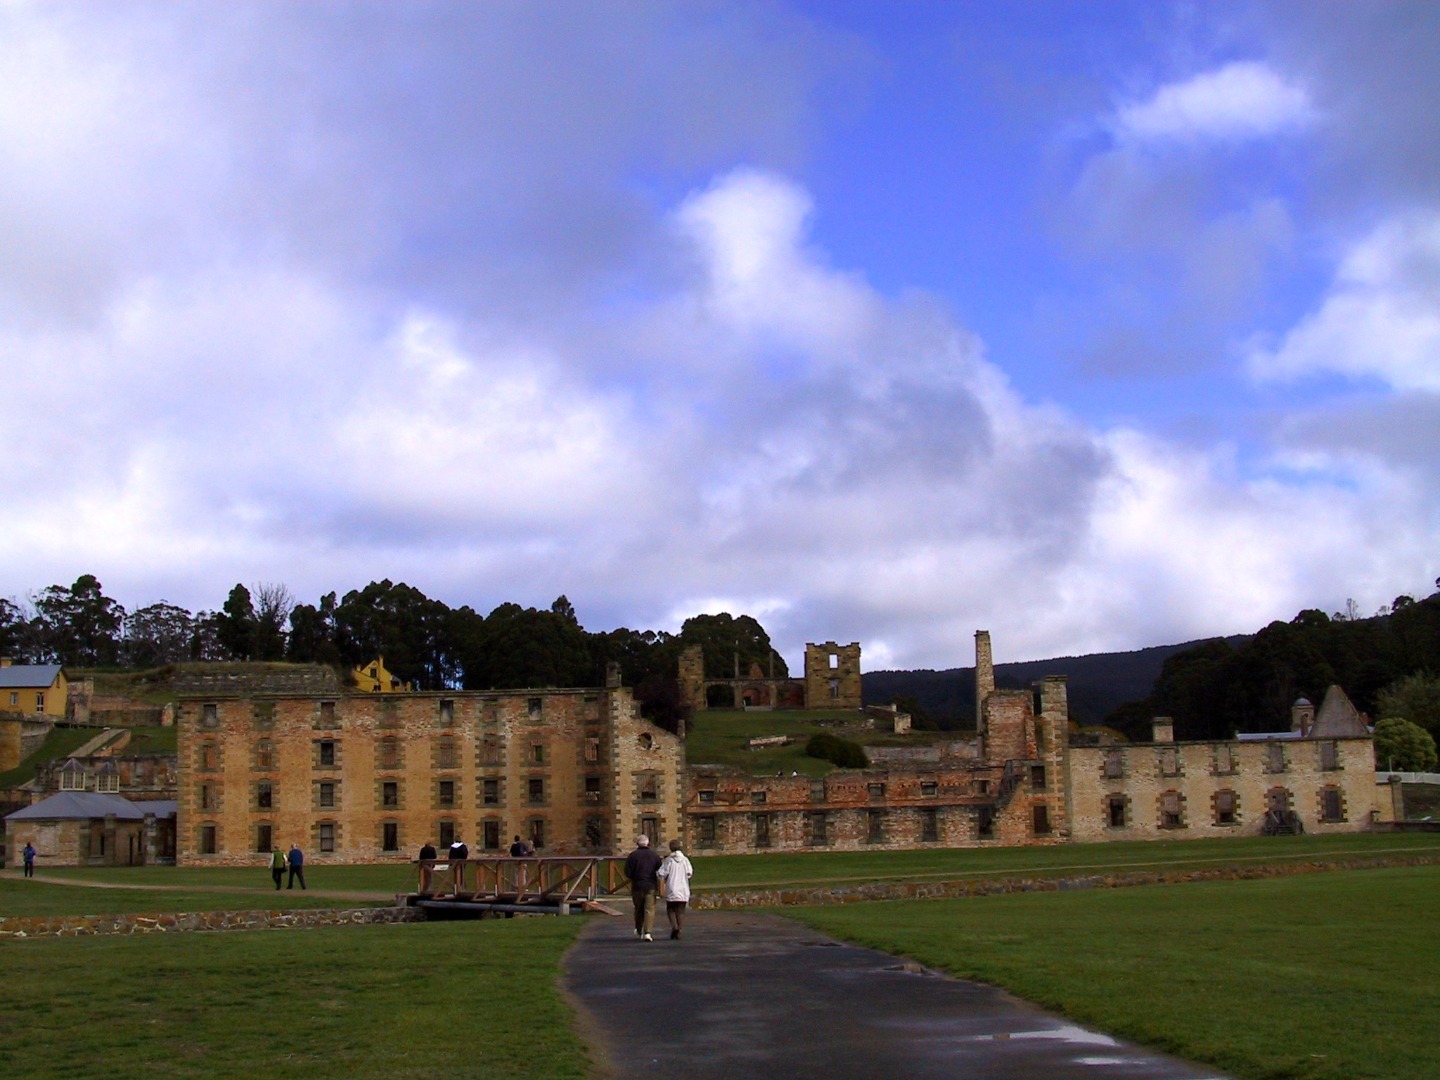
1095,325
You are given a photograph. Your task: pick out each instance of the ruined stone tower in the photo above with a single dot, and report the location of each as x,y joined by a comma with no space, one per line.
691,677
984,677
832,676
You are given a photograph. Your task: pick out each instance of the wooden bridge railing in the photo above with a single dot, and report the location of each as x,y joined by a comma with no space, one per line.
541,879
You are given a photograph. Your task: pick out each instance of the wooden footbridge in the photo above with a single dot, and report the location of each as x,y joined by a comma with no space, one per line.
501,885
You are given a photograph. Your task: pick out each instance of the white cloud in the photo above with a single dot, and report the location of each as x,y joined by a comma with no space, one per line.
1381,317
278,309
750,228
1242,100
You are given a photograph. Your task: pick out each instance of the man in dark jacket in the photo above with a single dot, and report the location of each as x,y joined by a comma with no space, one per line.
640,867
459,852
296,859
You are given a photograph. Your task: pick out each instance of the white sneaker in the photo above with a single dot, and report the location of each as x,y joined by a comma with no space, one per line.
637,933
646,937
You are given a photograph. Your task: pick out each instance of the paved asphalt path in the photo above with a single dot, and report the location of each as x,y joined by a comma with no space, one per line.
755,996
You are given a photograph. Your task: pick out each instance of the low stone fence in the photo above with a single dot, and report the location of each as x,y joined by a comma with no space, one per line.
797,895
26,926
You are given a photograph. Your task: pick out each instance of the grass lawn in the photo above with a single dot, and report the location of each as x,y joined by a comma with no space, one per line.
238,888
20,897
149,739
60,743
1320,977
734,871
719,737
463,999
388,878
1422,801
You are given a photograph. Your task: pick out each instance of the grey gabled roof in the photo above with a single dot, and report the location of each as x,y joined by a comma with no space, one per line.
28,676
79,806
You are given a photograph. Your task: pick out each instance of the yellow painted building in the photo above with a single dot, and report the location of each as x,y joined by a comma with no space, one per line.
374,678
33,688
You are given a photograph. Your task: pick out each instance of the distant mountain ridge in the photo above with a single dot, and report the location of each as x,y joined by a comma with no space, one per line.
1097,683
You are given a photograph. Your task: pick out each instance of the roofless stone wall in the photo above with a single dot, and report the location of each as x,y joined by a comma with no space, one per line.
224,680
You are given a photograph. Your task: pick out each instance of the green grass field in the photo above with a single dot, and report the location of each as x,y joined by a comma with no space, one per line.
1320,977
170,888
1315,977
60,743
719,737
461,999
735,871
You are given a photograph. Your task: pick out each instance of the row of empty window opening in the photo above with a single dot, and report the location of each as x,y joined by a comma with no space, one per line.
1224,807
325,753
875,791
1224,759
326,793
325,710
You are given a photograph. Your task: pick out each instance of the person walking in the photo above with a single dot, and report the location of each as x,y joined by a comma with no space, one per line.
521,850
427,866
674,875
277,867
297,866
459,853
28,855
641,866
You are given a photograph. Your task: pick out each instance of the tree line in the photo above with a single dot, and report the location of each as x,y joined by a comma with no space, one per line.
424,641
1388,664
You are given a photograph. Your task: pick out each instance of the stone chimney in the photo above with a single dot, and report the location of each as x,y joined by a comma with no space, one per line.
1162,729
612,675
984,677
1302,717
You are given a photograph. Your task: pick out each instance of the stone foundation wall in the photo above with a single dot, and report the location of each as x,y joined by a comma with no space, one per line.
92,925
10,742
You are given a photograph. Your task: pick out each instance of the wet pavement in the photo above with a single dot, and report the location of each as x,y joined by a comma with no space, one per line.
748,995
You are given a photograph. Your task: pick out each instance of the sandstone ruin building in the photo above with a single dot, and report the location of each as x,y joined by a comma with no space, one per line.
360,777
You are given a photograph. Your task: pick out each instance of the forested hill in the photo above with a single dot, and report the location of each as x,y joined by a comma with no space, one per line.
1098,683
1387,664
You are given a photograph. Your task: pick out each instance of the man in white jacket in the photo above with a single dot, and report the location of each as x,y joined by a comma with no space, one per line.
674,875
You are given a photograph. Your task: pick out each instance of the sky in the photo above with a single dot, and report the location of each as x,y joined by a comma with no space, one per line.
1098,326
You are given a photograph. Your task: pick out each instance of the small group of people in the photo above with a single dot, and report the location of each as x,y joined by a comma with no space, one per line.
294,862
649,874
457,853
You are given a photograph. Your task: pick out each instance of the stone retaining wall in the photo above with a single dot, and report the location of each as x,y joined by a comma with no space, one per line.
22,926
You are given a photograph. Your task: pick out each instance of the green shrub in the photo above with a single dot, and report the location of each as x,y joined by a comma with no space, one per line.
837,751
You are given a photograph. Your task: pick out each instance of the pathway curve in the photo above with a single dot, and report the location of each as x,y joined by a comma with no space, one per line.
758,996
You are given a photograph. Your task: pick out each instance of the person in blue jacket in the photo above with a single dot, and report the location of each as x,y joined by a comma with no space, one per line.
297,866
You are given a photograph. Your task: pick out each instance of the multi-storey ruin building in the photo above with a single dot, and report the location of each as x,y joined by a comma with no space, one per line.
1023,783
1007,788
359,777
831,681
